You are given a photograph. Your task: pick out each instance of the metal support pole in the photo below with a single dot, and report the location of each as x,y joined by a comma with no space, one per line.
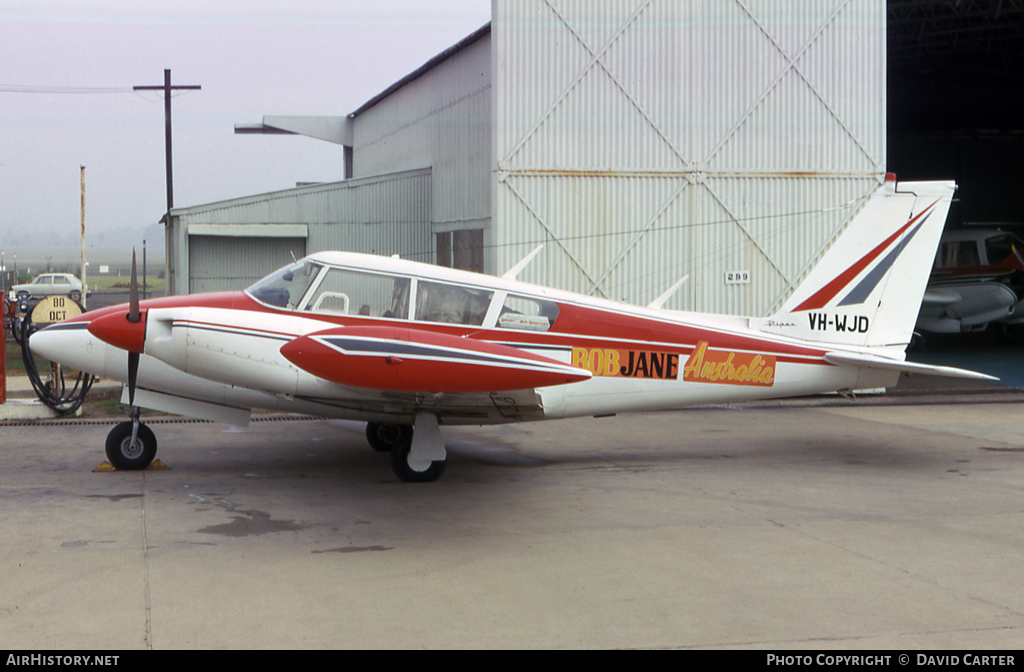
85,287
3,347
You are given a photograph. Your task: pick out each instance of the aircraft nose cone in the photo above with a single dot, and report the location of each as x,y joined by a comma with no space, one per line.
115,329
57,341
42,344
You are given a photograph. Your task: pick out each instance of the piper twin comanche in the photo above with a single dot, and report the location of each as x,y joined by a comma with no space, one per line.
409,347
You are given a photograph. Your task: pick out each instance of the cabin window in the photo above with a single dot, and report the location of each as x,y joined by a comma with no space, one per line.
344,292
454,304
520,312
958,253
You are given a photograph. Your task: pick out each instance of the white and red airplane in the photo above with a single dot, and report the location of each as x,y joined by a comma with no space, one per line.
408,347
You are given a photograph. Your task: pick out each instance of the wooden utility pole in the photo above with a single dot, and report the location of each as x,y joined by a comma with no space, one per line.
85,287
167,88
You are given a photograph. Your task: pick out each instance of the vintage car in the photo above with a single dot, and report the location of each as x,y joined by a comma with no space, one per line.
977,279
49,283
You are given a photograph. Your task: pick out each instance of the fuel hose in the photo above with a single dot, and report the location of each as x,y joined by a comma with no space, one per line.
54,391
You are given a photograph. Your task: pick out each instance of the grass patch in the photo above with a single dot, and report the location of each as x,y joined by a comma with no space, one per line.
15,362
106,283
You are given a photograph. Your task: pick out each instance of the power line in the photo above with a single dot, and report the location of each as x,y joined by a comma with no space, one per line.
656,229
31,88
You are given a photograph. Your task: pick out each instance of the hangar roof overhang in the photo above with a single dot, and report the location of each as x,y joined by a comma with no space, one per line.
332,129
339,129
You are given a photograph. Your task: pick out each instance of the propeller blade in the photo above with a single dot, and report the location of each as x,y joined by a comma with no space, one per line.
134,316
133,375
133,295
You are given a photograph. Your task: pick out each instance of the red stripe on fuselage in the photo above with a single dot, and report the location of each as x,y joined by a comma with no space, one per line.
577,325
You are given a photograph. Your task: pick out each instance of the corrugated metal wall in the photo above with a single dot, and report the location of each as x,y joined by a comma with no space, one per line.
643,140
222,263
224,245
441,120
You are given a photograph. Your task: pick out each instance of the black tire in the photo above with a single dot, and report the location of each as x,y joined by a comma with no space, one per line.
21,296
400,464
122,455
75,296
382,436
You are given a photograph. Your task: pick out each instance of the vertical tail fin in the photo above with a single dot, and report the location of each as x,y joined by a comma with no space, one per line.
867,289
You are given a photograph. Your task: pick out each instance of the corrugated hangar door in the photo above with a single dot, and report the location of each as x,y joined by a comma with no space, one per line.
219,263
644,141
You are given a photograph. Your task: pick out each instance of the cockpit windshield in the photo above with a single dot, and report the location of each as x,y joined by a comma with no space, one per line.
1002,247
285,287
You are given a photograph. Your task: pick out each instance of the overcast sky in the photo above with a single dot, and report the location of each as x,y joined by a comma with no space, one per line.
251,57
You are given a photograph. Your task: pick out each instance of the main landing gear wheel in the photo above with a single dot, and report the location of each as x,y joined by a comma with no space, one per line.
124,454
413,472
382,436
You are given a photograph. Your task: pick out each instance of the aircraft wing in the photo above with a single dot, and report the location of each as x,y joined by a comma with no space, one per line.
941,297
876,362
960,307
414,360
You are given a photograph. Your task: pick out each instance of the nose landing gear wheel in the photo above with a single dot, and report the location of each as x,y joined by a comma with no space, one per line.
123,454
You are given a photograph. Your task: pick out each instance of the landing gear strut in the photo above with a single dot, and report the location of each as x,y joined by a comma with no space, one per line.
131,445
416,456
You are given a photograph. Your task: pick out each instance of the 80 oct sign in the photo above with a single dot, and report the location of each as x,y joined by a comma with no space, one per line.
55,308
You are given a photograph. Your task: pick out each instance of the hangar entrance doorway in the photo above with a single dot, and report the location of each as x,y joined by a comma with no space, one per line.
225,263
461,249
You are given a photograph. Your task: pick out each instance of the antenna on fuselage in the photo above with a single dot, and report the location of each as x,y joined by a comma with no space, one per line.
658,302
511,273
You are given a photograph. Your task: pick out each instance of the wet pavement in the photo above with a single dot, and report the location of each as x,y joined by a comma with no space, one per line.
890,521
845,525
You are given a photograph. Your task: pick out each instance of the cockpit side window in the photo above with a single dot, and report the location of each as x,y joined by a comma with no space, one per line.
521,312
958,253
454,304
284,288
346,292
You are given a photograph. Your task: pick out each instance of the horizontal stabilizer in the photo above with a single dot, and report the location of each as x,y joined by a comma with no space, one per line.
876,362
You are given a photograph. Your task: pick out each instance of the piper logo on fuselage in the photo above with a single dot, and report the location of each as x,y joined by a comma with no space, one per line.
838,323
627,363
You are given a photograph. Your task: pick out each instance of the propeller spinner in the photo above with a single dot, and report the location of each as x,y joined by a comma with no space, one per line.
127,332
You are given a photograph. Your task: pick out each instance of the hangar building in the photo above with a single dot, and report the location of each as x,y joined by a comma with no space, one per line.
640,141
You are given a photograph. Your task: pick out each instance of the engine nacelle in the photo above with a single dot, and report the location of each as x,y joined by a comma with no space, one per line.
210,343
